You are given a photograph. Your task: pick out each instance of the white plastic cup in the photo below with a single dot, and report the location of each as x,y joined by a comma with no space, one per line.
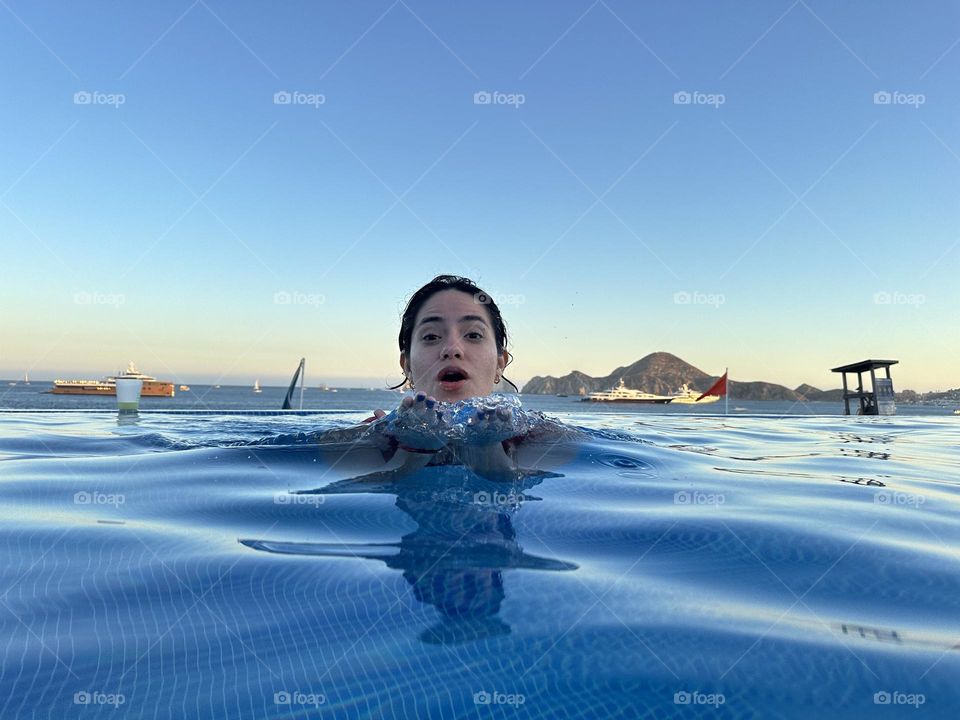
128,394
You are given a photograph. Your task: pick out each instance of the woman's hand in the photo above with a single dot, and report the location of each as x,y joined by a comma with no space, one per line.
417,424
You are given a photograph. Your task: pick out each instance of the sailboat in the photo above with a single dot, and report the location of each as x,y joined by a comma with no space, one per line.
256,386
26,378
302,376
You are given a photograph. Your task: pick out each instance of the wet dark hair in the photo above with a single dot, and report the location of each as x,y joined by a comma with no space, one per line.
452,282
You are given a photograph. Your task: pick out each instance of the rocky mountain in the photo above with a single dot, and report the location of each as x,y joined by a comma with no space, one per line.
662,373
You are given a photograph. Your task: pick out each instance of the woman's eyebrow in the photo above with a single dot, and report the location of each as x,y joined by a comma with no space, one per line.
465,318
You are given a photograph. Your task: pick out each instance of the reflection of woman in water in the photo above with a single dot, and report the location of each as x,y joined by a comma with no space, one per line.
453,347
456,557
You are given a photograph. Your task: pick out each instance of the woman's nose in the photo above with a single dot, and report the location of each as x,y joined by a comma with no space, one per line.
452,351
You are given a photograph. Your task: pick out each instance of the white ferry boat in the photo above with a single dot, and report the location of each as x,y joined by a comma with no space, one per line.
108,386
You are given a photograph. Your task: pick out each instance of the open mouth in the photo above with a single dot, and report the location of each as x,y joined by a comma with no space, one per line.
452,378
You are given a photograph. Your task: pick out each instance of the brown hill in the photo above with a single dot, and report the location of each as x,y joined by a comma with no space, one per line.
662,373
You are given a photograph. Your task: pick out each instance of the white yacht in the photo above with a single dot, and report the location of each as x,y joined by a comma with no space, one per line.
623,394
686,396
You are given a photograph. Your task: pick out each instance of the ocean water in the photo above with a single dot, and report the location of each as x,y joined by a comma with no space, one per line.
36,396
664,565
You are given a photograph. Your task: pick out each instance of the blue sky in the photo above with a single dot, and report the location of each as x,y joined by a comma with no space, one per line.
176,212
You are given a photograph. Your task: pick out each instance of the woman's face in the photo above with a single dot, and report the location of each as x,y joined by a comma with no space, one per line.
453,350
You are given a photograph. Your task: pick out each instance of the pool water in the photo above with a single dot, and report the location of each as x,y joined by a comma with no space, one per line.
662,566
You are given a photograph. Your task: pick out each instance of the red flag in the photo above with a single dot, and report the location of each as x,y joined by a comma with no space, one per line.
719,388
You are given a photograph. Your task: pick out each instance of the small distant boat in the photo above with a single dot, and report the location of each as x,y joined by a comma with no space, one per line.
256,386
561,395
11,384
184,388
623,394
956,412
739,409
26,379
216,387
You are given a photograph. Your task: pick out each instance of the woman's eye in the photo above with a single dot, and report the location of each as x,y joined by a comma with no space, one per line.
475,336
429,337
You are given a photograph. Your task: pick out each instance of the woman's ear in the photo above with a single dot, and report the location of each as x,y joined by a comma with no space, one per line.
503,360
403,364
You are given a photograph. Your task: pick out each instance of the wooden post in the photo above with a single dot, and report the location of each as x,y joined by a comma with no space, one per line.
846,400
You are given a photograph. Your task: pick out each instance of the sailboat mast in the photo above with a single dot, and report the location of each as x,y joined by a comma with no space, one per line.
303,378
